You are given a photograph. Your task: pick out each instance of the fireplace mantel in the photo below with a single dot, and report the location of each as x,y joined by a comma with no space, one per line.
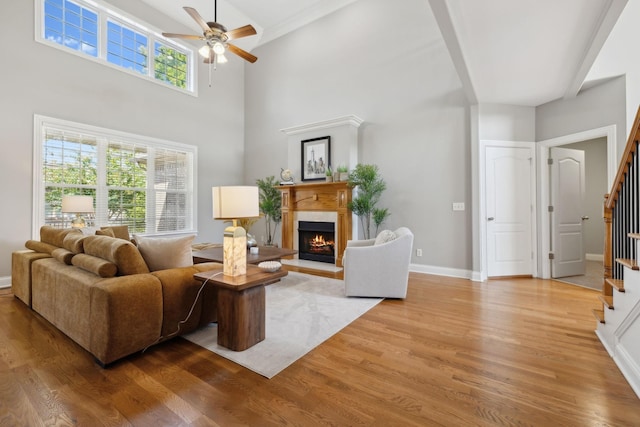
317,196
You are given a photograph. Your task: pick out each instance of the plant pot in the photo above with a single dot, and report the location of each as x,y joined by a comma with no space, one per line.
336,176
329,179
344,176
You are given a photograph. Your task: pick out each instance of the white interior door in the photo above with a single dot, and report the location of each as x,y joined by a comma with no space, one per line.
567,200
508,179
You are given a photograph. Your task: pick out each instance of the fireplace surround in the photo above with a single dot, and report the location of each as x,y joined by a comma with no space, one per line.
318,201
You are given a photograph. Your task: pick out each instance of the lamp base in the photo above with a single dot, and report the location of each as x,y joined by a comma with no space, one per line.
78,222
234,251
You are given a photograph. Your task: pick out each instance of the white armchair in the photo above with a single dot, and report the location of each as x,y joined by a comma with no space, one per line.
378,270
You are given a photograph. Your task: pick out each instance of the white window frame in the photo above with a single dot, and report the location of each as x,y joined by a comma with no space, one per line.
105,11
103,135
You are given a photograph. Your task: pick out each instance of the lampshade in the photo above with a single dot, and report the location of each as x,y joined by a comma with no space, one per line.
235,202
77,204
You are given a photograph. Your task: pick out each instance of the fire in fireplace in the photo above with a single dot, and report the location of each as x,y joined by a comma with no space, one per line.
316,241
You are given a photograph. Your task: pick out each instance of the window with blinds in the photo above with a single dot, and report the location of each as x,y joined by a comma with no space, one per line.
145,183
96,30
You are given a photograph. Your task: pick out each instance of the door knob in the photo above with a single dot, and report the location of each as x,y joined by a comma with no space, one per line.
490,218
584,218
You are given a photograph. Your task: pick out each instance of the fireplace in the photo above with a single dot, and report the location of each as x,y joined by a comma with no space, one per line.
316,241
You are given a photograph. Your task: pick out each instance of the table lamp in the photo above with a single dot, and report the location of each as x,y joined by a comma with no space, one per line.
77,205
232,203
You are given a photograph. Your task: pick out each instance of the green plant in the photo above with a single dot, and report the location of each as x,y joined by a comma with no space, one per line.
379,216
329,172
270,205
370,186
343,169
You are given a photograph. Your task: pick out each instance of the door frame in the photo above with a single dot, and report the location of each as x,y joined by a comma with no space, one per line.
544,238
483,206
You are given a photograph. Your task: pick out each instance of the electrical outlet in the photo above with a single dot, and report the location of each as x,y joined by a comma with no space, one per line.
458,206
418,252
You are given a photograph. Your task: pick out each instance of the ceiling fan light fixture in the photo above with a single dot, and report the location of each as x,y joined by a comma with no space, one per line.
218,48
221,58
204,51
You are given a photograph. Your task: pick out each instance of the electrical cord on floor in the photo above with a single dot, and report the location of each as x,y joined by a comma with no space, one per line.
182,322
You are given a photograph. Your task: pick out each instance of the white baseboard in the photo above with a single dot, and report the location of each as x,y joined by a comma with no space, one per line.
5,282
594,257
441,271
629,368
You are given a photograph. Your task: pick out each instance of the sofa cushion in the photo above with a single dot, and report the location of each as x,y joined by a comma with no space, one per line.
62,255
73,242
385,236
119,231
55,236
166,252
98,266
118,251
37,246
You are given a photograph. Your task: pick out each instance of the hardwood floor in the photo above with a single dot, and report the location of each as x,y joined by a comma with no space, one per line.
454,353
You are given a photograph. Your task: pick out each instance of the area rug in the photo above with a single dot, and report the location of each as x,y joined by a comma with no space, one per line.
302,311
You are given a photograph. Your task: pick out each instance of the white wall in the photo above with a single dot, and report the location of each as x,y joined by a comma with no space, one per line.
499,122
39,79
385,62
596,107
618,58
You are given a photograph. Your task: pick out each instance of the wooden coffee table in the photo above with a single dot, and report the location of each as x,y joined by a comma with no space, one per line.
265,253
241,305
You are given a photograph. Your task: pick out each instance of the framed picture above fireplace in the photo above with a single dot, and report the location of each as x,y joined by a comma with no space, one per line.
316,158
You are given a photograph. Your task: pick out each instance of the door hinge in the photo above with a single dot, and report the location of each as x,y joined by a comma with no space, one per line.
550,208
551,255
549,161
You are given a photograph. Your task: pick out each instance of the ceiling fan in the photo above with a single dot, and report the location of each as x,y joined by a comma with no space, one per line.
217,38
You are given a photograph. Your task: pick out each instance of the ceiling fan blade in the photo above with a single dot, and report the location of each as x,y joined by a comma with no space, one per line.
242,53
183,36
196,17
245,31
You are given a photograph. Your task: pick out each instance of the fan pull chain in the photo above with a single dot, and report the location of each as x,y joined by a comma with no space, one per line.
210,74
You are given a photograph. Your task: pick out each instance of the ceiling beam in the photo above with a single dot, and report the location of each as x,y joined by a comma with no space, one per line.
443,18
608,20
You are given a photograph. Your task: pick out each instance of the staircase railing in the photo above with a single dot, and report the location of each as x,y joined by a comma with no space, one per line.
622,210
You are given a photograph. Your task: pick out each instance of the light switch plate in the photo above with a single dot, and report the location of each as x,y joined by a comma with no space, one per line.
458,206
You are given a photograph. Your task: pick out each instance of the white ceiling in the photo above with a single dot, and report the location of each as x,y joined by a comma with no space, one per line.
518,52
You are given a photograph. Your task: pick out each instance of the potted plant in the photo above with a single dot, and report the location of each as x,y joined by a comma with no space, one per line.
370,186
343,172
329,174
270,203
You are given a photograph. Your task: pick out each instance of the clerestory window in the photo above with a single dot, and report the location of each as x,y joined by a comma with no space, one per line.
142,182
97,31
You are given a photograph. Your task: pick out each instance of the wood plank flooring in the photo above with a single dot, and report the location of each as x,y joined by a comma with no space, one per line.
454,353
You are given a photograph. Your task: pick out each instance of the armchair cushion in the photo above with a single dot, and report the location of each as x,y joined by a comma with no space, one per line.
385,236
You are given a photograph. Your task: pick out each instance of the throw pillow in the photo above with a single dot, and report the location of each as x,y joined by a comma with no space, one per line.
38,246
63,255
105,232
118,251
95,265
166,252
384,236
74,242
